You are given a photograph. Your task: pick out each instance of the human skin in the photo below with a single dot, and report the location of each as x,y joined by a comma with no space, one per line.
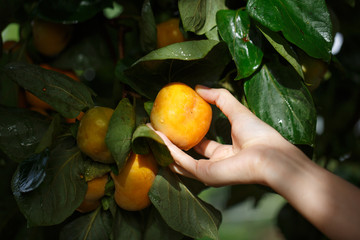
260,155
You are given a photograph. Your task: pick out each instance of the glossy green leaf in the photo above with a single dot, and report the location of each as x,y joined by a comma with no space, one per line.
147,28
234,29
157,228
181,210
20,132
120,131
65,95
144,139
191,62
277,95
283,48
31,172
70,11
199,16
62,190
126,225
95,225
305,23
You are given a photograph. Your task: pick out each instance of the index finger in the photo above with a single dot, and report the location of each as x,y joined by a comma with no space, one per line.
225,101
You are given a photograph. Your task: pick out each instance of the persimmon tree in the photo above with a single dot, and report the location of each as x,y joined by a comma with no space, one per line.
274,56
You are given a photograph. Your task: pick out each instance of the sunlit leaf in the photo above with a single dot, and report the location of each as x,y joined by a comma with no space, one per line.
277,95
191,62
305,23
283,48
234,29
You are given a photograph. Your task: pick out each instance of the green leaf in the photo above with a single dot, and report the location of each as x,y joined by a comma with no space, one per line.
95,169
147,28
95,225
305,23
120,131
70,11
47,140
283,48
181,210
157,228
20,132
198,16
144,137
191,62
234,29
62,190
277,95
65,95
126,226
31,172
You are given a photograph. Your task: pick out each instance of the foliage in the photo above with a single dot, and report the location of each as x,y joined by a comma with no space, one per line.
250,47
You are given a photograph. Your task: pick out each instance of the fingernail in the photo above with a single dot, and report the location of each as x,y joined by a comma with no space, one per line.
201,88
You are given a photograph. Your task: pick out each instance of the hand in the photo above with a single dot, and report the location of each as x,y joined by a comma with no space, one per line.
253,143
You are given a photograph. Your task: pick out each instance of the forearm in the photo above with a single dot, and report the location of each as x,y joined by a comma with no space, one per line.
327,201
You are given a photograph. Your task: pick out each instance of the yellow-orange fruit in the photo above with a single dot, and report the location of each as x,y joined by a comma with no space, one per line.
95,191
133,183
92,132
50,38
181,114
168,32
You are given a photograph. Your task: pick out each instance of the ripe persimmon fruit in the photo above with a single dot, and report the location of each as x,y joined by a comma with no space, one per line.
181,114
134,181
168,32
92,132
95,191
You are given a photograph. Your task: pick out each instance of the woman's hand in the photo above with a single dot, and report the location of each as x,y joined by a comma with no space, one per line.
253,144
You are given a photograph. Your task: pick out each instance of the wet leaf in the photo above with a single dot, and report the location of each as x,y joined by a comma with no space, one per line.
234,29
62,190
277,95
20,132
31,172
